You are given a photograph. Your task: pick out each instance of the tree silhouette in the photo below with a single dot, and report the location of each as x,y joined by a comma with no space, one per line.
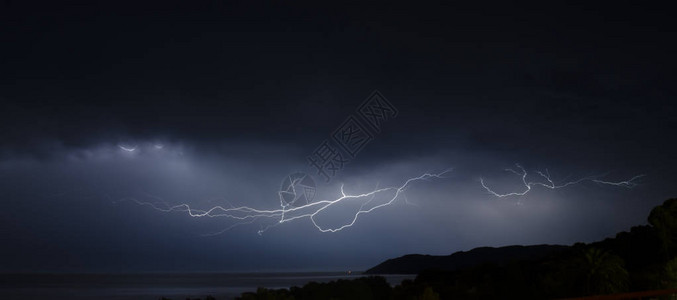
670,279
664,219
429,294
604,272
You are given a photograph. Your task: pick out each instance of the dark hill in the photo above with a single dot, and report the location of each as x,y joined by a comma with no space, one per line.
415,263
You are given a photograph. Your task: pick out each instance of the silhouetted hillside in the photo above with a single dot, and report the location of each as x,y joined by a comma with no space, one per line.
415,263
645,258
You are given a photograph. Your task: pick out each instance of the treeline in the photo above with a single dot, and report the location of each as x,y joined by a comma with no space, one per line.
642,259
373,287
645,258
364,288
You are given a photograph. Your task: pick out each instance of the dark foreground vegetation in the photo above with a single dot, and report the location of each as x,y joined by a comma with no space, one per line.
645,258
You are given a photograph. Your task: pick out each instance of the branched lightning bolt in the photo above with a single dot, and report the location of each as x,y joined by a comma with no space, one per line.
528,185
247,215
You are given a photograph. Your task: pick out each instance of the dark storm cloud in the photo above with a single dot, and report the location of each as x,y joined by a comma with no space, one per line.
80,74
238,94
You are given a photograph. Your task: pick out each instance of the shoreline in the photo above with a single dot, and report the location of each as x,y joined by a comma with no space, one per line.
126,286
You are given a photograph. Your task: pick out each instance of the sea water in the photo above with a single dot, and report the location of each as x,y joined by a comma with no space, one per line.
157,285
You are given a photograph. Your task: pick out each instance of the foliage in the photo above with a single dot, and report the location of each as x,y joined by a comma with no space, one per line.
641,259
670,277
604,272
366,288
429,294
664,219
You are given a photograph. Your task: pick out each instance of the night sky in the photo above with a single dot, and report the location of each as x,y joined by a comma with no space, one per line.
108,107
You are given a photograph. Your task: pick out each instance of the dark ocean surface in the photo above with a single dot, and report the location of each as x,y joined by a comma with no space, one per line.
156,285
